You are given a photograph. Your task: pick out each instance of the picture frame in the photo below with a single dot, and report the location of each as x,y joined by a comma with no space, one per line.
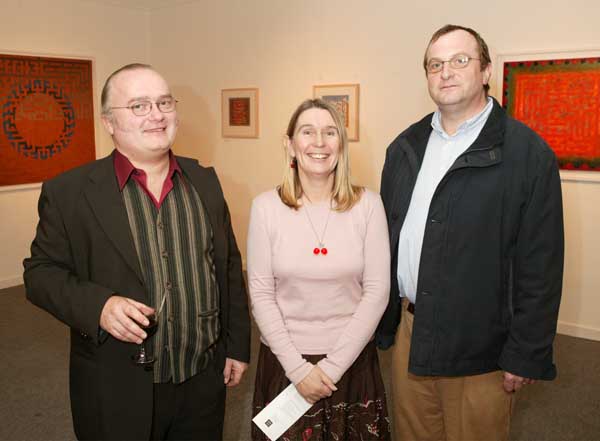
551,93
48,123
239,113
345,98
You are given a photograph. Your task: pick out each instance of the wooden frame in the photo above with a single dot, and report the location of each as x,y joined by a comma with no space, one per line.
345,98
239,113
552,92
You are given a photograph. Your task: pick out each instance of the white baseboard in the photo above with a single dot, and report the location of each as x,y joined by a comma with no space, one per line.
575,330
11,281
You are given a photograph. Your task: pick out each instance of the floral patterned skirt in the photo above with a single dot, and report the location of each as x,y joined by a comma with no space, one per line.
356,411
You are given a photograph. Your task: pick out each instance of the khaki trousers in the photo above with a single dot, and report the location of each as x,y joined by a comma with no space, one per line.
466,408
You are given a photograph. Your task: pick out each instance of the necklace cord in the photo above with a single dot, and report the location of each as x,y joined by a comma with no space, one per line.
319,239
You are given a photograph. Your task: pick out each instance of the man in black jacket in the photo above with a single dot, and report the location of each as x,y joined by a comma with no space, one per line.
138,233
474,207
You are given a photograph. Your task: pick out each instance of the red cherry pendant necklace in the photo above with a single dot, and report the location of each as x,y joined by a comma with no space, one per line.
321,249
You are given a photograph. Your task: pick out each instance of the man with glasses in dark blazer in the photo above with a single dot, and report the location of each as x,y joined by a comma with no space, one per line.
140,235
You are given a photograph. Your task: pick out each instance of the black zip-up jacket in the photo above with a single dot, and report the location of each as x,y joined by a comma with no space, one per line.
490,274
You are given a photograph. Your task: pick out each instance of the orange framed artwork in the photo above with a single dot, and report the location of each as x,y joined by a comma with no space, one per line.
47,117
558,96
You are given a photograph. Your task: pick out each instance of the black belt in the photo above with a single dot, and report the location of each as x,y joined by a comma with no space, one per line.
411,308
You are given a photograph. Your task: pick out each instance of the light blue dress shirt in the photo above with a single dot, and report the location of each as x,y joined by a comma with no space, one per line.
441,152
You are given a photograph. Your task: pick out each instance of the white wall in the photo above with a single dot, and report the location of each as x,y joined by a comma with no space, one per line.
285,47
579,315
71,28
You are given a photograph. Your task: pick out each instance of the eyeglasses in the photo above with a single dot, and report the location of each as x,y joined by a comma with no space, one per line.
459,61
143,108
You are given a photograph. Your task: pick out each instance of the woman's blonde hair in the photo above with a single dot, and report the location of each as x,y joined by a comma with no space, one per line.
344,194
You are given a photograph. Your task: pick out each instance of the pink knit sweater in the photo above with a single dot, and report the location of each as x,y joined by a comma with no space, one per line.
317,304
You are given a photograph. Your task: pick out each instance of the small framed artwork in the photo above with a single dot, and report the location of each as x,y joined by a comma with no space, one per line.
344,97
239,113
557,95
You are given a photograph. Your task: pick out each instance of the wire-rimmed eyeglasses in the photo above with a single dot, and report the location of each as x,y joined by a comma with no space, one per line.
459,61
143,108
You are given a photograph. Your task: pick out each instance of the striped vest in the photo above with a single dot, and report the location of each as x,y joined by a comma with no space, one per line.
175,250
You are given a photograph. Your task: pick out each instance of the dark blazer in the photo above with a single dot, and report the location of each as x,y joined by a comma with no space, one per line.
82,254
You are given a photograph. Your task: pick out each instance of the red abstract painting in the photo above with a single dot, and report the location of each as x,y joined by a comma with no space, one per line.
560,100
47,117
239,111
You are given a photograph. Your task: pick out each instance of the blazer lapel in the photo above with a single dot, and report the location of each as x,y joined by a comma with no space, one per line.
107,204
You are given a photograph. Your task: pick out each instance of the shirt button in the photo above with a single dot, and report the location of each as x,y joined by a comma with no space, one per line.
164,254
159,224
168,286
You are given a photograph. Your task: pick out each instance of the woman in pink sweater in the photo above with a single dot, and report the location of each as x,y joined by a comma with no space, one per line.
319,274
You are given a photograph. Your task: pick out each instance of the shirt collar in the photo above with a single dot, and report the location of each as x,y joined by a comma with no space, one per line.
124,168
481,117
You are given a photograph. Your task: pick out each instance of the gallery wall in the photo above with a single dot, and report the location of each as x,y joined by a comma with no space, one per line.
284,48
65,28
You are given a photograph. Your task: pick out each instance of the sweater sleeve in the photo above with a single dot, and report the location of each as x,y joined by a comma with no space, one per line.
375,293
261,283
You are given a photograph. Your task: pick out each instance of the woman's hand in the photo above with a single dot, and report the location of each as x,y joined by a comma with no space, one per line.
316,385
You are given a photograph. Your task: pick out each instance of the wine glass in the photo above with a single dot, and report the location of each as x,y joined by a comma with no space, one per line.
142,358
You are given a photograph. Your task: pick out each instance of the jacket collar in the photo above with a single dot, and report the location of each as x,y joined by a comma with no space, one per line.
493,130
416,138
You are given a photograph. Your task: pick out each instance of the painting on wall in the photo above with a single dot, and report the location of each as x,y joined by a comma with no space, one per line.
239,113
344,97
47,117
559,98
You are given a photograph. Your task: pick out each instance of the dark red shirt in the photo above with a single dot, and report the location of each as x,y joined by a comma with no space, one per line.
124,170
